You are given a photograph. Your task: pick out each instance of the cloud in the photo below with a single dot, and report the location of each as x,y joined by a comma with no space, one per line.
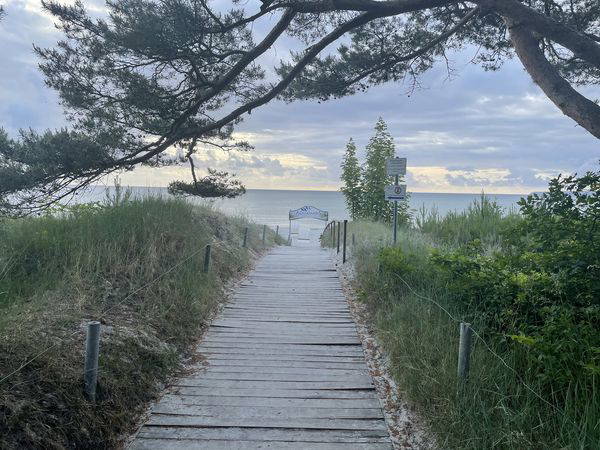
490,130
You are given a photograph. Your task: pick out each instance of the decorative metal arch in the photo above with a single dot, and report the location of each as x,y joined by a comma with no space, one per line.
309,212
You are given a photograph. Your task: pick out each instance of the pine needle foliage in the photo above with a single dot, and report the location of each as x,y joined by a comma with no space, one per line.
364,187
351,177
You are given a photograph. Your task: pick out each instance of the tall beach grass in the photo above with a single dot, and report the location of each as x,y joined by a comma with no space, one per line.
417,322
135,265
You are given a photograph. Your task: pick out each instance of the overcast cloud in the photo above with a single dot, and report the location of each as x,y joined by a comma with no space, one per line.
480,130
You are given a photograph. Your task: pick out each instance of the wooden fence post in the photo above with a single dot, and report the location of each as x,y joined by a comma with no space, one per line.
92,351
338,236
333,234
464,351
264,234
345,233
277,231
207,258
353,241
245,244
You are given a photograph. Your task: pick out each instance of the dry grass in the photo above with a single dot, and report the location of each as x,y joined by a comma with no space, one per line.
111,262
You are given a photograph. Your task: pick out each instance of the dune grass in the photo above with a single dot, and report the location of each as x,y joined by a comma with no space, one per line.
497,408
135,265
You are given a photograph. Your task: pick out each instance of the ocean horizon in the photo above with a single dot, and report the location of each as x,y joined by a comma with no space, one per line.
271,207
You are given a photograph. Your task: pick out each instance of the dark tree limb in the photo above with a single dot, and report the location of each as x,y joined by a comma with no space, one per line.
574,105
582,45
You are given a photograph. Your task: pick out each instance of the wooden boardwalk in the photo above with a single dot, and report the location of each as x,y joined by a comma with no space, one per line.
285,369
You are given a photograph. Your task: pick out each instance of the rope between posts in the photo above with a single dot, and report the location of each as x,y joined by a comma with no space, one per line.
131,294
486,345
221,244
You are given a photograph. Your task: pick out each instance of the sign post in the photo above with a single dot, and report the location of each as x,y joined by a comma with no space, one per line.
395,167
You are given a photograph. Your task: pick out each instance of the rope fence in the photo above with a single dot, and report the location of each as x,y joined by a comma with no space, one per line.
92,366
463,352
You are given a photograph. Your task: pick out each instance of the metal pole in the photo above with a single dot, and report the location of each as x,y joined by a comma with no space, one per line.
207,258
92,350
464,351
245,238
396,216
339,226
345,233
264,233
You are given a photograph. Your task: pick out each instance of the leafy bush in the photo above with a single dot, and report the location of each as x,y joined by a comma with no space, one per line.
530,285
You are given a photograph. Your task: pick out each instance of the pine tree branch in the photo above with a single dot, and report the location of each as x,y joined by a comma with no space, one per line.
574,105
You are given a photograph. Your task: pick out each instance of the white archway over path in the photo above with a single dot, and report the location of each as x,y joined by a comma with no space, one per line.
306,212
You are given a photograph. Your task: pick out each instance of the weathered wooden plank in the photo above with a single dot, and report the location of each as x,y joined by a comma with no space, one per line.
300,349
264,434
279,367
211,348
299,320
358,378
236,323
291,332
173,444
267,412
285,315
328,340
284,359
254,364
267,392
269,422
249,307
212,400
309,385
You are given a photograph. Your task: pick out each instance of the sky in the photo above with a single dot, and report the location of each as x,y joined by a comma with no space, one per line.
473,131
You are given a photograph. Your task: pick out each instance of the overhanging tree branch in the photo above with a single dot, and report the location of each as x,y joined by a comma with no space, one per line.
582,110
580,44
159,73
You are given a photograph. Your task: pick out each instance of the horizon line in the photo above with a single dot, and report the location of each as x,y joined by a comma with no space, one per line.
337,190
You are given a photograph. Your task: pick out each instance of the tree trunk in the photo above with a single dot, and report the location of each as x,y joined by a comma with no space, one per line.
574,105
580,44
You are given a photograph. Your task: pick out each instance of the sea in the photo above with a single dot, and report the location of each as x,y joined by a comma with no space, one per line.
271,207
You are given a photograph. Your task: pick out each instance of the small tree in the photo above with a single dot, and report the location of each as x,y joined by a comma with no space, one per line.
375,177
351,177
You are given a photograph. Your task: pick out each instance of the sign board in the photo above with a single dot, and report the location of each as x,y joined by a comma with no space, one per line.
309,212
395,192
396,166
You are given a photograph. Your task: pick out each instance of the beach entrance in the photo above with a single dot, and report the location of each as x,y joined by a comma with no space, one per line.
306,235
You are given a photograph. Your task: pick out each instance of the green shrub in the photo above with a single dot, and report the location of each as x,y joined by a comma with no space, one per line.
530,285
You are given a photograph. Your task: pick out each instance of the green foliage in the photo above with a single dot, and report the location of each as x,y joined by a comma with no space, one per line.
351,178
529,285
364,189
375,177
216,184
483,221
110,261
